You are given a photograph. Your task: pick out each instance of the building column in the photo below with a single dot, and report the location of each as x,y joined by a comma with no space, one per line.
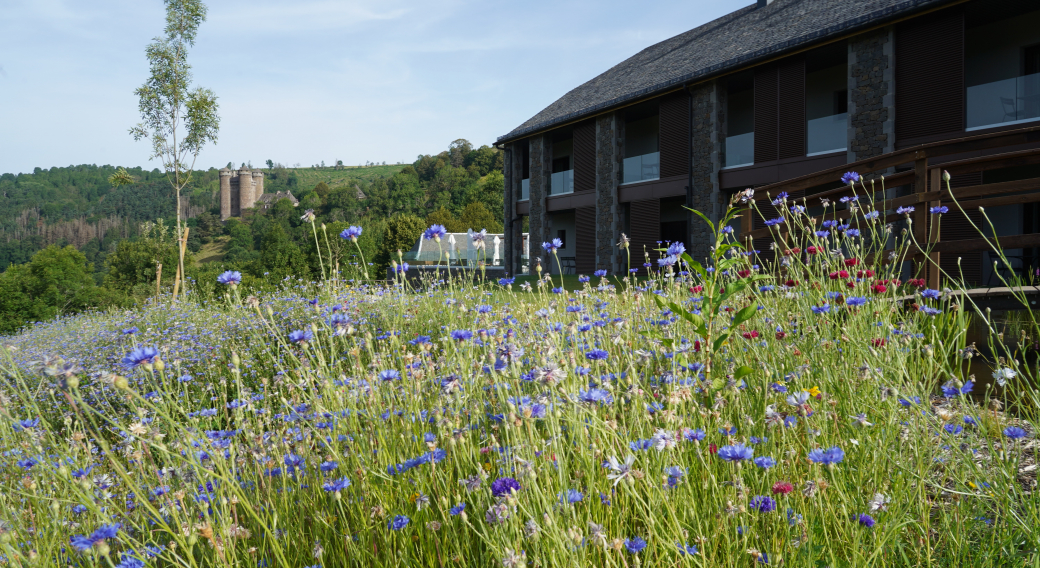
609,140
871,122
540,180
705,141
509,208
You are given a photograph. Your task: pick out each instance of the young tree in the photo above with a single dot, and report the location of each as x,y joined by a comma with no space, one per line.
179,120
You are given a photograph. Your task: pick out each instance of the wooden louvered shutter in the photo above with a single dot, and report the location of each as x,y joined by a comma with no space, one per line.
955,226
585,156
585,240
645,224
675,135
929,75
766,110
791,107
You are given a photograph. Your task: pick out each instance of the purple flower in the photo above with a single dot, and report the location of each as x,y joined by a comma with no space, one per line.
855,301
506,281
552,246
953,429
504,486
336,485
850,178
461,334
905,210
939,210
676,249
457,509
635,545
600,273
866,520
829,456
27,424
765,462
389,375
597,355
230,278
774,222
763,503
435,232
351,233
400,521
736,452
595,396
572,496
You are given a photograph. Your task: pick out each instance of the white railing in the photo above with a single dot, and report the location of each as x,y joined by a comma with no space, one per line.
562,182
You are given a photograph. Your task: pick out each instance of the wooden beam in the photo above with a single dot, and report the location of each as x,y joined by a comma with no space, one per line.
971,245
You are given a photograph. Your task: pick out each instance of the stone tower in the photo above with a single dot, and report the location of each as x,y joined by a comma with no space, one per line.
225,194
245,190
258,186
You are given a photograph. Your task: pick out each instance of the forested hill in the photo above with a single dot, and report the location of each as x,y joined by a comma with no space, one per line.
78,206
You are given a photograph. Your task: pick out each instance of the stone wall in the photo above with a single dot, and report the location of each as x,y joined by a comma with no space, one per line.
609,139
509,208
871,95
705,139
541,177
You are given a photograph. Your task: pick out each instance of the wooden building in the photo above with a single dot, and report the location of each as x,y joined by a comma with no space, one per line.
782,95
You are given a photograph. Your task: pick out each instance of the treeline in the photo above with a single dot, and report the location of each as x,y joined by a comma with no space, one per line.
101,246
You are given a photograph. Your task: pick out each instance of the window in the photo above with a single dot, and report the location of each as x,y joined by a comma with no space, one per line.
525,163
642,156
826,99
562,169
740,120
1002,70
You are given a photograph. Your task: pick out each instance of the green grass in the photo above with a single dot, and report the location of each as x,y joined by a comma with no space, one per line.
309,177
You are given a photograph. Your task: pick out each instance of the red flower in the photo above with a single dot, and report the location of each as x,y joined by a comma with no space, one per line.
851,261
751,334
782,488
780,335
879,288
916,282
744,273
839,274
865,274
878,342
697,289
712,448
696,345
850,284
791,283
812,250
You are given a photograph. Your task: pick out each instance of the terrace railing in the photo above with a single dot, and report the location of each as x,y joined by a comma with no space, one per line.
918,171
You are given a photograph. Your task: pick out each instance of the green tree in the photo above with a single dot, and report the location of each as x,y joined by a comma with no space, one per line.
444,217
401,233
476,216
279,256
322,189
178,119
132,267
270,164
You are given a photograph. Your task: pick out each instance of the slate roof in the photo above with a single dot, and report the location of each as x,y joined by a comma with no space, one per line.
733,41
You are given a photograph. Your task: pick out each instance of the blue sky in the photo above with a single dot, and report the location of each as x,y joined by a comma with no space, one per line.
310,80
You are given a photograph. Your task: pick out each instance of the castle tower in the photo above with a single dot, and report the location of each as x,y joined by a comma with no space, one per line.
245,189
258,185
225,194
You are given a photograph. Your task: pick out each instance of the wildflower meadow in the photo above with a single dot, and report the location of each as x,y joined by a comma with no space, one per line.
804,406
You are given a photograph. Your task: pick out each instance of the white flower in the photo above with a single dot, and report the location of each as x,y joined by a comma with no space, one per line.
1003,375
879,503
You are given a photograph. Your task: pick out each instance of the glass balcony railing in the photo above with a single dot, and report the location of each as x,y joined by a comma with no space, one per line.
641,168
828,134
740,150
1004,102
562,182
525,189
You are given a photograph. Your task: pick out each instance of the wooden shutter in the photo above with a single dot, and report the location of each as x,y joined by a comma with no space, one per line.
955,226
766,111
585,240
675,135
645,224
585,156
930,75
791,107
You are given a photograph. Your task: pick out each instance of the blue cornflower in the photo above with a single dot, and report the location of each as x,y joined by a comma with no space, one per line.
871,215
635,545
506,281
230,278
351,233
823,234
27,463
852,233
685,549
27,424
130,330
765,462
140,356
774,222
939,210
850,178
829,456
693,435
1014,432
583,279
400,521
301,336
552,246
953,429
596,355
457,509
849,199
931,294
600,273
389,375
928,310
905,210
676,249
572,496
435,233
796,209
504,486
461,334
736,452
129,561
866,520
727,230
821,309
336,485
855,301
328,466
780,198
293,461
763,503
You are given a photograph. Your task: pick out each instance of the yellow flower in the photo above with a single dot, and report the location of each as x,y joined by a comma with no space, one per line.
814,392
413,497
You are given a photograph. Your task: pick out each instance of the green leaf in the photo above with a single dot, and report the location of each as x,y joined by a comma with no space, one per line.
717,344
745,314
696,266
742,372
703,216
687,315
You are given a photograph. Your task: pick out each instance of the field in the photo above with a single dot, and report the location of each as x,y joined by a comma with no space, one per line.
309,177
723,416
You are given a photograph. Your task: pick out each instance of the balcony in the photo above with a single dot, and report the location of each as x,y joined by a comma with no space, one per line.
525,189
827,134
642,168
740,150
1009,101
562,182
